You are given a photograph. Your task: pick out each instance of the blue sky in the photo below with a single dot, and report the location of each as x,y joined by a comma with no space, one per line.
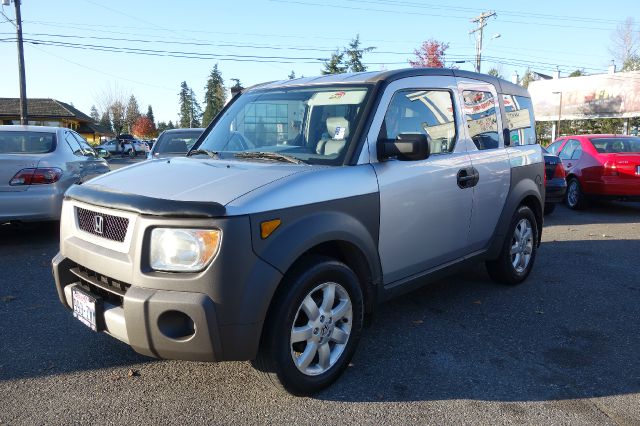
262,40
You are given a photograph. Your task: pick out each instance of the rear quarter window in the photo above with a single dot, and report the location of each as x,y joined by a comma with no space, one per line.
519,120
27,142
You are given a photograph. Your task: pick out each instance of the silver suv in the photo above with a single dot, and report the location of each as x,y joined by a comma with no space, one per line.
304,204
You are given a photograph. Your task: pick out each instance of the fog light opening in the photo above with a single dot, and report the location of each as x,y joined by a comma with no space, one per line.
176,325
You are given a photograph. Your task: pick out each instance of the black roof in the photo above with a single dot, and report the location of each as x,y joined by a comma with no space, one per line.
42,108
371,77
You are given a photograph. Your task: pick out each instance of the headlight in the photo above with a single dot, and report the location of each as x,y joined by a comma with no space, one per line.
183,250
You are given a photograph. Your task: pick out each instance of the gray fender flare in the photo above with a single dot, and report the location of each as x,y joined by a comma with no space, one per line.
298,235
523,189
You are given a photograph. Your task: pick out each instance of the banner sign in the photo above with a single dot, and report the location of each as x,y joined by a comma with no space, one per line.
593,96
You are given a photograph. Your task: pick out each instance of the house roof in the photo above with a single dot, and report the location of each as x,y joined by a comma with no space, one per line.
94,128
41,108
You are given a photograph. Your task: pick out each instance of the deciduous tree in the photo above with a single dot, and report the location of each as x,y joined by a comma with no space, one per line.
144,128
625,41
117,117
431,54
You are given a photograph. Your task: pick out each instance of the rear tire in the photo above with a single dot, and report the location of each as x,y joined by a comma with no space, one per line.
575,198
518,250
131,153
313,327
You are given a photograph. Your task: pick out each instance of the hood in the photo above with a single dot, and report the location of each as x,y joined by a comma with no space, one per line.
190,179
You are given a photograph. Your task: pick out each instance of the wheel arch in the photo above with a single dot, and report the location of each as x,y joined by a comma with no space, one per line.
524,192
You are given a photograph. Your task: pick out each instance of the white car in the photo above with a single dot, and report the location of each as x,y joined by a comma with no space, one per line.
132,147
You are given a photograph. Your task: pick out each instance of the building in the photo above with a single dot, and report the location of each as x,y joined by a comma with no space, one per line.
50,112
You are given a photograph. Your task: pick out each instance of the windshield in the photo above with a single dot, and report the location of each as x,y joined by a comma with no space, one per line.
26,142
176,142
313,124
615,145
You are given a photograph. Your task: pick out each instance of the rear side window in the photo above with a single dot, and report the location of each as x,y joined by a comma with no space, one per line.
519,120
26,142
480,110
426,112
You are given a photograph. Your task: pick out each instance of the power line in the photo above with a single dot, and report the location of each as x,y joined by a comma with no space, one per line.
368,9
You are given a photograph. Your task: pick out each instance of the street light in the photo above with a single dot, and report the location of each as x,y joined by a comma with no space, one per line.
559,111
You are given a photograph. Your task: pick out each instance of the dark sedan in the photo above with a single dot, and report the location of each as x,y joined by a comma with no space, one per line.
556,184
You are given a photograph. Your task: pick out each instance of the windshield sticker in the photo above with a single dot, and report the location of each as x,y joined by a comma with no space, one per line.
340,132
337,95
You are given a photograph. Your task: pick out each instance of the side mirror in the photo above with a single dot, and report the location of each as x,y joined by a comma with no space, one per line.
406,147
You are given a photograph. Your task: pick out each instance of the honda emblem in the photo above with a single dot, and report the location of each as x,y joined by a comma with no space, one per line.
98,224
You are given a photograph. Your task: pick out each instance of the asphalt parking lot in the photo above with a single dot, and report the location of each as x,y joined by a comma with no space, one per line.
563,348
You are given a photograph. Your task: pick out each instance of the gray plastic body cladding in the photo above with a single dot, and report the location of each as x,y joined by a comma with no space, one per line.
238,284
353,220
143,307
525,181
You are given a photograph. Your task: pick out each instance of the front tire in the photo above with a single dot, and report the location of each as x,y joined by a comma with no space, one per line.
313,327
131,153
518,250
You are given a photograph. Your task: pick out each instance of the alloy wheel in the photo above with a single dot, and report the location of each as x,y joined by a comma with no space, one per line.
321,328
522,245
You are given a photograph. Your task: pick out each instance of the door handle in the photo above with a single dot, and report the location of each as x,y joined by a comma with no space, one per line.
468,177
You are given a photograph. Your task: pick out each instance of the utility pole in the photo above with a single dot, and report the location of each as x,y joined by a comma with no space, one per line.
23,85
480,20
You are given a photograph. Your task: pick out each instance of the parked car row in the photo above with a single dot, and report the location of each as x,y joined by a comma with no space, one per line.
598,167
124,146
37,165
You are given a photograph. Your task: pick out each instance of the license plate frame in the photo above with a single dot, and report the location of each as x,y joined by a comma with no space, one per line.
87,308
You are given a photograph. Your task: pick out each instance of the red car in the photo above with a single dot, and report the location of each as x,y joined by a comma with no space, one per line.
599,166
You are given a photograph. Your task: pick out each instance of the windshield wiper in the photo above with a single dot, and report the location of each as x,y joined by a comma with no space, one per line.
212,154
269,156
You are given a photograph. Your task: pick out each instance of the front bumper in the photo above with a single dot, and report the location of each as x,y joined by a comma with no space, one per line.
213,315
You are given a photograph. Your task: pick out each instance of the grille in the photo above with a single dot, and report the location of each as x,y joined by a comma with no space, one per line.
109,289
113,227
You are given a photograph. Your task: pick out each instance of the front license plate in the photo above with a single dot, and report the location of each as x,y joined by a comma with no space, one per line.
85,307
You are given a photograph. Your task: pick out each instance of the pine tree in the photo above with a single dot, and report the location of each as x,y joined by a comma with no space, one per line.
95,115
354,55
150,115
214,97
185,105
335,64
196,111
170,125
132,114
292,75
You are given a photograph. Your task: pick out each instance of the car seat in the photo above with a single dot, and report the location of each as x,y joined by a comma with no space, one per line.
334,141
